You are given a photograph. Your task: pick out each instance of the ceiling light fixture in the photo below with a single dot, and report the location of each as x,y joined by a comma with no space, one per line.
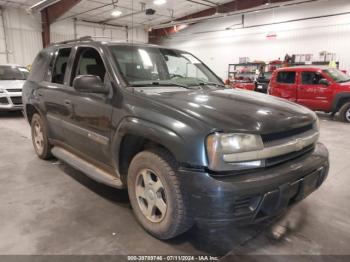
159,2
116,13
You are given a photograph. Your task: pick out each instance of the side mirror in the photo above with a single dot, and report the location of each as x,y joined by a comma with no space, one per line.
324,81
89,84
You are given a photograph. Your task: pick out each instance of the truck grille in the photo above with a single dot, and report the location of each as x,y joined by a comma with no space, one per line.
281,135
287,157
17,100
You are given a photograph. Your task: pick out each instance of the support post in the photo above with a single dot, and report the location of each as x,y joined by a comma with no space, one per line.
45,23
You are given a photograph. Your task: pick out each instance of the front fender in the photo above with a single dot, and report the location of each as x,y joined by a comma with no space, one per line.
184,151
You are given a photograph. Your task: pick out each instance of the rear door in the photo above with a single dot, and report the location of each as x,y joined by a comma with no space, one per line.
88,127
285,85
53,91
311,93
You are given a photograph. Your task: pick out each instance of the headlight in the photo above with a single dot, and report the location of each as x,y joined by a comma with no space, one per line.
219,145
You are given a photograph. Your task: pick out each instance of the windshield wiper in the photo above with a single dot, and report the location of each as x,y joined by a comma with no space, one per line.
344,81
159,84
210,83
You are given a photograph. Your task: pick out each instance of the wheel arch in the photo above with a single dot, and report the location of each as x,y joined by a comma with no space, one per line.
135,135
30,110
339,100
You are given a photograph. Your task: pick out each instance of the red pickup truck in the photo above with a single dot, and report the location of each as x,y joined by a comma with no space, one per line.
318,88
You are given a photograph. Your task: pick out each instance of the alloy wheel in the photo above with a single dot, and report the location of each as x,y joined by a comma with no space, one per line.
347,115
150,194
38,136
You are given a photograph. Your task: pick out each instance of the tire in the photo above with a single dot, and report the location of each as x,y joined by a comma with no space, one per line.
344,113
158,165
40,139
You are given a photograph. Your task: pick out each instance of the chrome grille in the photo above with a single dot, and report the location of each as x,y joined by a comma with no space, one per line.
281,135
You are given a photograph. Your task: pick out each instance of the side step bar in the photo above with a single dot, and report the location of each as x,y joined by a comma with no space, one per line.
88,169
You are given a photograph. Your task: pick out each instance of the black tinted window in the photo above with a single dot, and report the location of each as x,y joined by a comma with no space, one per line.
286,77
88,62
310,78
59,69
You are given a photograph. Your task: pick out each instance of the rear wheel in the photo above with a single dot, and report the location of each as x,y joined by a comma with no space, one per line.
156,195
344,113
39,137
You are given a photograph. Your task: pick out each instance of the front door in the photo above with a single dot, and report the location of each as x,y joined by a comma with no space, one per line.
311,93
88,129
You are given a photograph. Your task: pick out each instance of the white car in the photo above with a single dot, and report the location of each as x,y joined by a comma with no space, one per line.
12,78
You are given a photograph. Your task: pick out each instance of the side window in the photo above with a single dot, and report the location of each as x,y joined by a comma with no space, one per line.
88,62
59,69
310,78
286,77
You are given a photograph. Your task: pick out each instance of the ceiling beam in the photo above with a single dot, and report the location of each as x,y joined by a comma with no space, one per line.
51,13
199,3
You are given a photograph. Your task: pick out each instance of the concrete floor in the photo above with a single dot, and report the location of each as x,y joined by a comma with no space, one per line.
49,208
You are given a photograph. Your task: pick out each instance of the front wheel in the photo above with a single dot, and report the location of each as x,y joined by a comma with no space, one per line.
40,138
344,113
157,198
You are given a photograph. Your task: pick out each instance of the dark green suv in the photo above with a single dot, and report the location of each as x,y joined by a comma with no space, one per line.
160,123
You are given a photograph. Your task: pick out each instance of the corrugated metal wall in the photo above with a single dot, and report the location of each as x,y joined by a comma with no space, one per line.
64,30
23,35
24,40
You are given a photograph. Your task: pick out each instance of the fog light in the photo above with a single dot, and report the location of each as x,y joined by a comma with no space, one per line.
247,165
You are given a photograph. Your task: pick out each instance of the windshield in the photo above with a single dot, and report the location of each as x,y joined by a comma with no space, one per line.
267,75
142,66
337,75
13,73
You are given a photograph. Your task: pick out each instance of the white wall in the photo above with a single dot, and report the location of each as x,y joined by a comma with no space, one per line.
64,30
23,34
221,47
24,40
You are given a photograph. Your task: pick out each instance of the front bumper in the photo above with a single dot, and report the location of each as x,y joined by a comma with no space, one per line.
255,196
11,101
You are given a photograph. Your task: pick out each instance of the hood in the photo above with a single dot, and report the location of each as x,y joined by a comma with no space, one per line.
11,84
230,110
345,85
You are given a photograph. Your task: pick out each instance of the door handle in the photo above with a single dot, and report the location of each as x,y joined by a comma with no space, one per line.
67,102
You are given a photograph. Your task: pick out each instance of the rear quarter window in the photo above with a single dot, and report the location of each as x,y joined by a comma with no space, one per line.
40,66
286,77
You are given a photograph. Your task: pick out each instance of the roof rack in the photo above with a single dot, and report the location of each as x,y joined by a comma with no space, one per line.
95,38
81,39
